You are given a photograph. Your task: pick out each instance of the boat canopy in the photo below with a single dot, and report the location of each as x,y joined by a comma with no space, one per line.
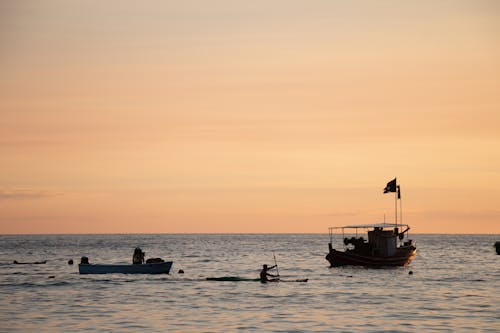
372,225
353,229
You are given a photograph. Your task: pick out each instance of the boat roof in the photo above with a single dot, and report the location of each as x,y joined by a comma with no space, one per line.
372,225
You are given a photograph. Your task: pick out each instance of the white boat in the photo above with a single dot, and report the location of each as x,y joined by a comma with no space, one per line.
152,268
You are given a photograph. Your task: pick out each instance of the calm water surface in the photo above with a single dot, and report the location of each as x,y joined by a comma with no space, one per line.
454,287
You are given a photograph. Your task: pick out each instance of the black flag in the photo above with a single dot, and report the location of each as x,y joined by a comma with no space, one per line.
399,192
391,186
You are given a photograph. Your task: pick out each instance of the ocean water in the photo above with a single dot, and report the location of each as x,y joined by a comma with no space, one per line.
455,286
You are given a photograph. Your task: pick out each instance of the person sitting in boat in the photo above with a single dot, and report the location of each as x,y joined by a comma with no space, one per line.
264,274
138,257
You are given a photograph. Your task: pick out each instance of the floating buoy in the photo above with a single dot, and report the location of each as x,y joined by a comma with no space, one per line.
410,272
70,262
52,277
181,271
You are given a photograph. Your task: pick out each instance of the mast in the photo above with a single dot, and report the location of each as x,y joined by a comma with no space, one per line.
400,206
393,187
398,195
396,207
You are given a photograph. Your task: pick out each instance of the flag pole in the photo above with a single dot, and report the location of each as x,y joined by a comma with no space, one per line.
392,187
396,207
400,210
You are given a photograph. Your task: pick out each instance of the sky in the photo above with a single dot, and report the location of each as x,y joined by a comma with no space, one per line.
231,116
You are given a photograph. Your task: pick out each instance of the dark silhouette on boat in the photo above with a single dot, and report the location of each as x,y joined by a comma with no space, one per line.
497,246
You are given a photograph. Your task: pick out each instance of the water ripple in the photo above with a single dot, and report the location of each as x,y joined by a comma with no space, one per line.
453,292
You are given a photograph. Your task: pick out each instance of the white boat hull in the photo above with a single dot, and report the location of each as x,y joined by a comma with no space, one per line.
153,268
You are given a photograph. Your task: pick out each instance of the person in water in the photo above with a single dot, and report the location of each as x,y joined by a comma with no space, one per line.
264,274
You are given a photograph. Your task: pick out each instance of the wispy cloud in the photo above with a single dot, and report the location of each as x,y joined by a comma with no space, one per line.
24,193
346,213
478,214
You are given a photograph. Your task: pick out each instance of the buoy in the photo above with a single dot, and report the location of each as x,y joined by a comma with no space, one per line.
181,271
410,272
70,262
52,276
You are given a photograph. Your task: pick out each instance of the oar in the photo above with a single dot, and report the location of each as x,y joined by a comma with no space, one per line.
276,264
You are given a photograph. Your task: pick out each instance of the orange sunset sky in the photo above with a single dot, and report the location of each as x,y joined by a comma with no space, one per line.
248,116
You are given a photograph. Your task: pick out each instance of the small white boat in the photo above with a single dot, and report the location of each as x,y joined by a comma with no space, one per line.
152,268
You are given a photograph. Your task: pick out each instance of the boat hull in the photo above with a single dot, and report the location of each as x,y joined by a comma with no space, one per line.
153,268
402,258
231,278
239,279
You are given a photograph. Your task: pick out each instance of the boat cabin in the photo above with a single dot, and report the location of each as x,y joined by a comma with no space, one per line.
382,238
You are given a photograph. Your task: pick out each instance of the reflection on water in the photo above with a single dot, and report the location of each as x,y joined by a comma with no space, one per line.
454,286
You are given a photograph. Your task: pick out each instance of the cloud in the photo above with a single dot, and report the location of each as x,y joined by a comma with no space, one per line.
486,214
344,213
7,194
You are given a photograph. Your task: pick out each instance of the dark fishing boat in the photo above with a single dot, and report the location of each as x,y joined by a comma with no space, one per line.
381,249
387,244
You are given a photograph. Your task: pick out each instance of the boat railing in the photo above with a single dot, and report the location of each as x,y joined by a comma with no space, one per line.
352,230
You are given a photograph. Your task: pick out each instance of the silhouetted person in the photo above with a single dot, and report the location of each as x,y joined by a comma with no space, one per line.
138,257
264,274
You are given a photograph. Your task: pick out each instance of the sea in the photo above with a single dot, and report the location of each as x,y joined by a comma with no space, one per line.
453,285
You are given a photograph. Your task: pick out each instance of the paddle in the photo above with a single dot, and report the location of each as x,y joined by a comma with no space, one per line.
276,264
278,273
